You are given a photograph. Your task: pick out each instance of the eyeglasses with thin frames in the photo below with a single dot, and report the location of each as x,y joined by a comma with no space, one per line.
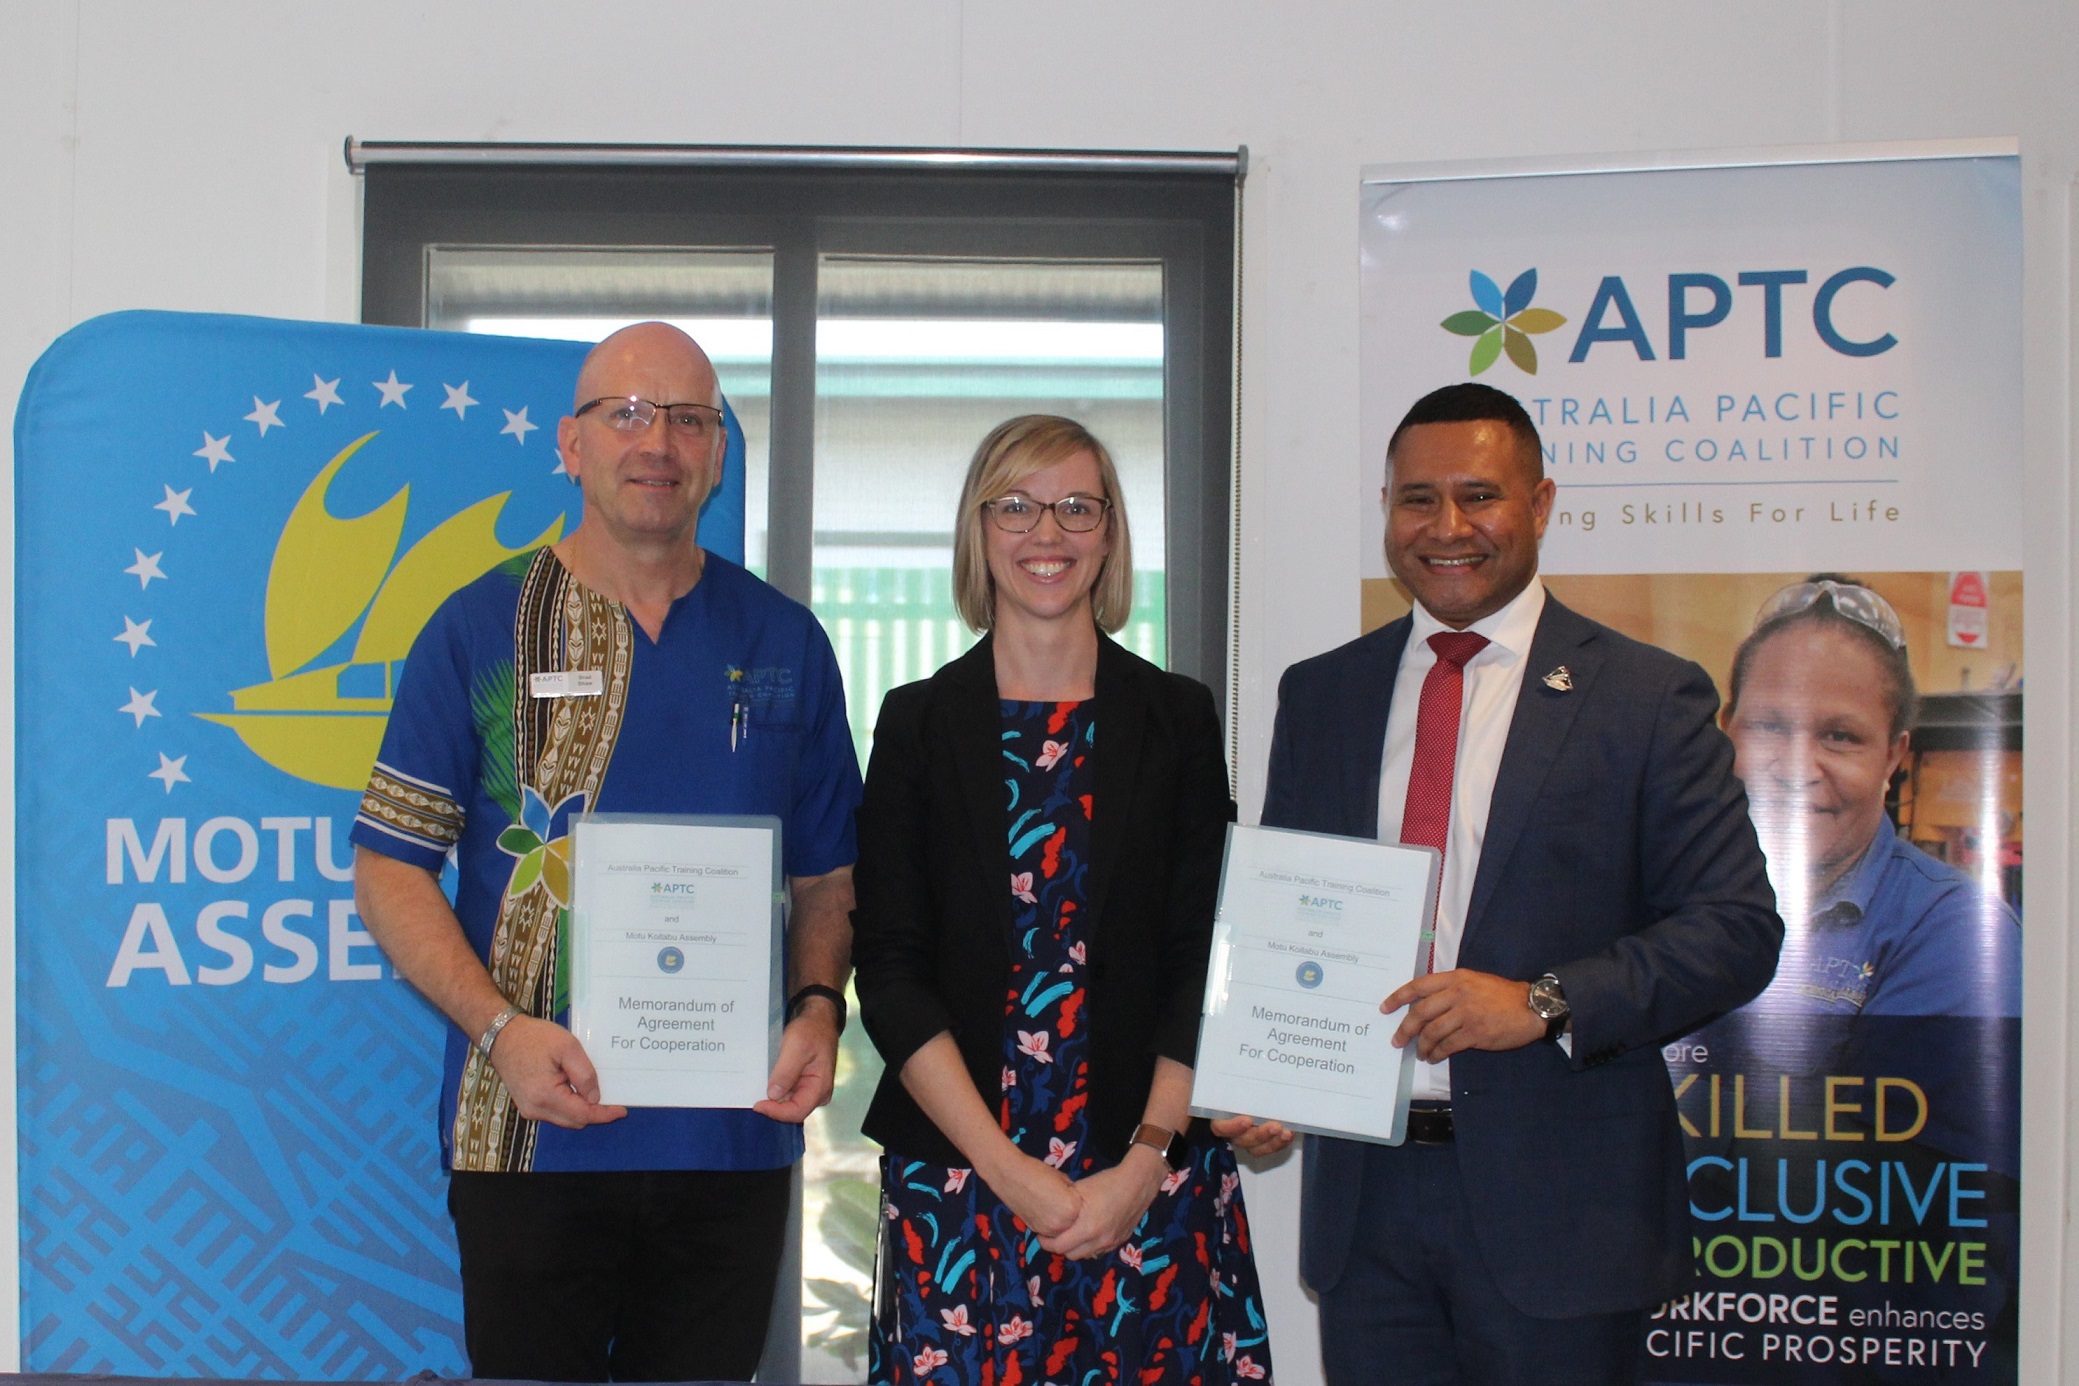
632,414
1018,513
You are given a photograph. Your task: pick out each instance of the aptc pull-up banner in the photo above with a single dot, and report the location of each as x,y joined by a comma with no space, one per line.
229,531
1781,399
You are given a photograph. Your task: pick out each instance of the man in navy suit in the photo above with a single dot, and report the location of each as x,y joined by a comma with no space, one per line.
1603,892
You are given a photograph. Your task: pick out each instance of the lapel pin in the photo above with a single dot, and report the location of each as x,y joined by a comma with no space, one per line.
1560,680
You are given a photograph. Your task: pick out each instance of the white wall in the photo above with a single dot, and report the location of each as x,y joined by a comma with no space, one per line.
187,156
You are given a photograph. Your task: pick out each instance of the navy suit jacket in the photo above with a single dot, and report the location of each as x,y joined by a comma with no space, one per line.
1619,856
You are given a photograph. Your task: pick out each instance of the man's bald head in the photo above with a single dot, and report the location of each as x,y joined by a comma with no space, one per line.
643,360
643,483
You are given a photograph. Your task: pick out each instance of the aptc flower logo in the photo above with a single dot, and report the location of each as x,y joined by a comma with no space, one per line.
1503,322
541,840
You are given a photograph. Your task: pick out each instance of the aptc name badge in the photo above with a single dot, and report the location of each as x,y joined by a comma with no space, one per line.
567,683
1313,933
675,956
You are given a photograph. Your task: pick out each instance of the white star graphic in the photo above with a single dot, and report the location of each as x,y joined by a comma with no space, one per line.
458,399
140,705
135,634
264,416
176,504
215,450
517,425
146,568
393,392
170,771
326,393
559,469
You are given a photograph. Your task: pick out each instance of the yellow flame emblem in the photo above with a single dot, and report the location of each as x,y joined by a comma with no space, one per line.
327,574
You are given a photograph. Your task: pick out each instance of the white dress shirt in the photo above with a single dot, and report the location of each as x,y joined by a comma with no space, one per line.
1493,678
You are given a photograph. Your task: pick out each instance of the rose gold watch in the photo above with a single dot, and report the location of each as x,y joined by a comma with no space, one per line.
1170,1145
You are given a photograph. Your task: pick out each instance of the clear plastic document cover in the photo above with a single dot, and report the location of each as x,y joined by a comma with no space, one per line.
675,938
1313,932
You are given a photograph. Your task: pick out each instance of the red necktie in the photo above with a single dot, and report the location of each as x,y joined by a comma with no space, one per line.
1426,820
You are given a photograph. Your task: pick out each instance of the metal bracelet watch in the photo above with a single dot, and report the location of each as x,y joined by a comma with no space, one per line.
1170,1145
497,1026
1548,1003
814,989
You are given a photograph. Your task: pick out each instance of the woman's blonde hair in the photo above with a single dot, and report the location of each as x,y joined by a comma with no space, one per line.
1013,451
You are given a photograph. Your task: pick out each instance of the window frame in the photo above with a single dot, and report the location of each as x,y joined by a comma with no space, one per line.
1096,207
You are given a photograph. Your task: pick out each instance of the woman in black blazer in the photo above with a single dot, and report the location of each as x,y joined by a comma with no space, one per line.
1035,908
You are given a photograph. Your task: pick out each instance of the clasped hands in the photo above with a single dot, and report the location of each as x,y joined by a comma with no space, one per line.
1078,1218
550,1078
1094,1215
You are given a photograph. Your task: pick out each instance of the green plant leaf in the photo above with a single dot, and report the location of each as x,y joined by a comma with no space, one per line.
1470,323
1536,320
1520,350
851,1221
1485,351
835,1294
850,1227
851,1312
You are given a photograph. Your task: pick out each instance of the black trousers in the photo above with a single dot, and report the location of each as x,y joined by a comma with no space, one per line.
1416,1305
662,1275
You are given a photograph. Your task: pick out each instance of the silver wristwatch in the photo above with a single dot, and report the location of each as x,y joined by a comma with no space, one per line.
1548,1003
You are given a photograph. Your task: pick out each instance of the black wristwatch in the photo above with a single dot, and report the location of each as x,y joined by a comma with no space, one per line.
814,989
1170,1145
1548,1002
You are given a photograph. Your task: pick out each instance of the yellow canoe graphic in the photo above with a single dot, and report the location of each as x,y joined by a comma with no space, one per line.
325,724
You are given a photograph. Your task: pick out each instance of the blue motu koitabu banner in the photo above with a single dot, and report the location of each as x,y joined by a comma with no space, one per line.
229,531
1781,400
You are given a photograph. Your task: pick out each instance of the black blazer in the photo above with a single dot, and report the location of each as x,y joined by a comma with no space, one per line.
1620,857
931,935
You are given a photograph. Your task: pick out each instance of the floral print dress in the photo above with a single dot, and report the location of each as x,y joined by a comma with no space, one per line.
966,1296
